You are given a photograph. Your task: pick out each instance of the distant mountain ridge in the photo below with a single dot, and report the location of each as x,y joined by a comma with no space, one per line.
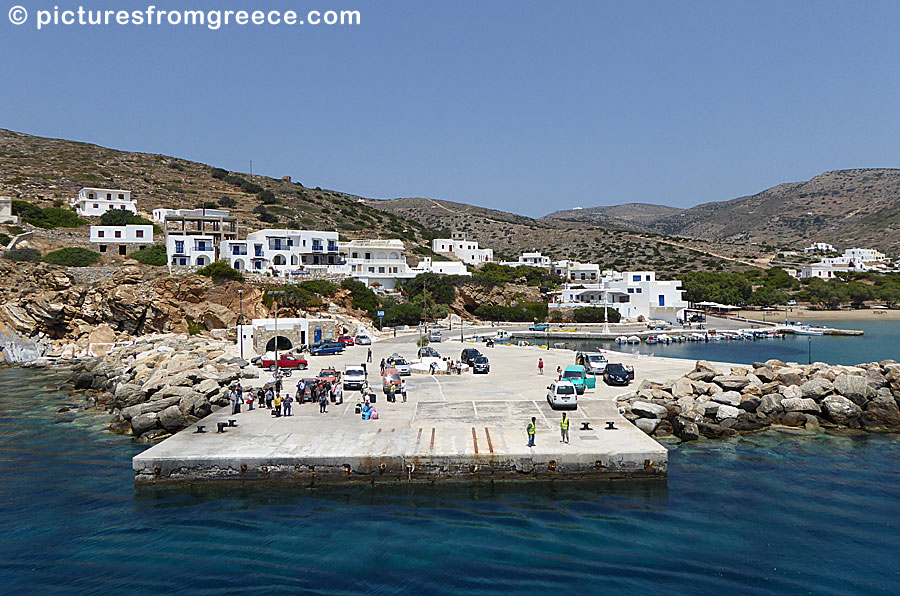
842,207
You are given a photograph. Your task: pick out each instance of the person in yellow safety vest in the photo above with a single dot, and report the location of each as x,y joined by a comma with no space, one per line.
530,429
564,428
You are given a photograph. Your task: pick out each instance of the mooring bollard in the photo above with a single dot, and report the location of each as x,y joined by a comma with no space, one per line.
232,422
200,429
586,426
611,425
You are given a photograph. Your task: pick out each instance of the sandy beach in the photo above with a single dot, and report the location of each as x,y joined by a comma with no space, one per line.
807,315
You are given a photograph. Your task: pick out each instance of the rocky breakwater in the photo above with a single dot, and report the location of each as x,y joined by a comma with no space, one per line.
160,384
713,403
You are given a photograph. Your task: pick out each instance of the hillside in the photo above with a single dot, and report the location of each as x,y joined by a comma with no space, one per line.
46,171
631,216
845,207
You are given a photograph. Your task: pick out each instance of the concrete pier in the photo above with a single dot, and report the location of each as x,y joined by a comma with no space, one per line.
453,428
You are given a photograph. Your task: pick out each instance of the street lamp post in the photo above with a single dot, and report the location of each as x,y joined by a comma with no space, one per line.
275,294
809,354
241,322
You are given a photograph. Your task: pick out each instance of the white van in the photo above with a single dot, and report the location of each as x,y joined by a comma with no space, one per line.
434,336
354,377
562,394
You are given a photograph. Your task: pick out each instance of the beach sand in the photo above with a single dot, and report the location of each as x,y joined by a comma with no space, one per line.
806,315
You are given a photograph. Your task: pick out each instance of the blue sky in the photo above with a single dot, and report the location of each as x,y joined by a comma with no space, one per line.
517,105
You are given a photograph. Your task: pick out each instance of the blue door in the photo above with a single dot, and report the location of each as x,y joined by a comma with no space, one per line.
317,335
662,300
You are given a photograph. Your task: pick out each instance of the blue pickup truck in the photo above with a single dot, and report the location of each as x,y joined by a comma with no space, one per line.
539,327
326,348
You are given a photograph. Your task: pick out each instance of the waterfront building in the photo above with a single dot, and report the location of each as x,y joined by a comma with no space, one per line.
576,271
377,263
283,252
160,215
466,251
193,236
94,202
123,239
260,335
634,294
853,259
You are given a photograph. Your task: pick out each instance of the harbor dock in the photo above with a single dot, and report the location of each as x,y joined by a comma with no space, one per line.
453,428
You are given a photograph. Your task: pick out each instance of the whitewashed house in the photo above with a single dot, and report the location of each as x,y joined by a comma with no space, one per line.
576,271
530,259
378,263
191,251
6,215
160,215
94,202
193,236
634,294
466,251
429,265
122,239
819,247
283,252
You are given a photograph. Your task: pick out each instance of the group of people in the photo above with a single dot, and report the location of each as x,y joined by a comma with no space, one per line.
531,430
321,391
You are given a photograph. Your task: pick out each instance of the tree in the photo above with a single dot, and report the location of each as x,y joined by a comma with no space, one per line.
122,217
151,255
220,270
72,256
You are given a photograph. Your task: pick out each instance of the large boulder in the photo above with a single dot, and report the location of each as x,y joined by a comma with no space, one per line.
816,388
749,403
144,422
705,366
853,387
731,398
726,411
800,404
648,425
794,419
841,410
207,387
714,431
683,387
685,428
645,409
708,409
791,391
731,382
765,374
881,412
789,376
172,419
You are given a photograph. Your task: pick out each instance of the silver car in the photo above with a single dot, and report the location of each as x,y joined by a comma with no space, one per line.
399,362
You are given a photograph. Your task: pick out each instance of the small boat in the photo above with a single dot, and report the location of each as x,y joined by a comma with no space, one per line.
807,330
621,339
747,335
678,339
633,339
663,338
652,340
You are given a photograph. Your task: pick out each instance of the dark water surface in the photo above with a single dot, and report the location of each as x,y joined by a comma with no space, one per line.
880,342
767,514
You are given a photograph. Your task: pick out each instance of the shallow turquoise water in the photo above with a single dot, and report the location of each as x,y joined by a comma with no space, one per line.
880,342
768,514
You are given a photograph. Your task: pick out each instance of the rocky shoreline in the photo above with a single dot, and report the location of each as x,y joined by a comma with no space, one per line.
713,403
159,384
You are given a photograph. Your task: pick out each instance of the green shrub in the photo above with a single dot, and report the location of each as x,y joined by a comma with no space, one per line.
267,197
525,311
363,297
14,230
219,174
23,254
50,217
72,256
4,239
268,217
319,286
251,187
122,217
221,270
593,314
227,202
151,255
208,205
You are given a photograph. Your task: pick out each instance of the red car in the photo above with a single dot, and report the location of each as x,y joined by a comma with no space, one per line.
285,361
346,340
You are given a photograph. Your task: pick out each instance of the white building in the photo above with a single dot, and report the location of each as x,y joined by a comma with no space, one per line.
378,263
160,215
576,271
193,236
191,251
853,259
633,293
262,335
125,239
94,202
819,247
429,265
283,252
530,259
6,215
821,270
466,251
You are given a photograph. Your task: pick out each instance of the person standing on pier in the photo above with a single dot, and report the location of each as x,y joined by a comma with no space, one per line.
369,356
564,428
403,389
541,365
287,404
531,429
559,373
382,366
301,387
269,397
323,401
277,409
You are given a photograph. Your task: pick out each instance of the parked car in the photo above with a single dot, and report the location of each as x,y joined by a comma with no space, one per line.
480,364
434,336
346,340
539,327
579,377
391,377
399,362
363,340
792,303
326,348
562,394
330,375
616,374
428,352
592,362
354,377
284,361
468,355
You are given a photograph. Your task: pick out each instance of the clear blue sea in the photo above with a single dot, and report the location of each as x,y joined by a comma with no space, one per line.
881,341
764,514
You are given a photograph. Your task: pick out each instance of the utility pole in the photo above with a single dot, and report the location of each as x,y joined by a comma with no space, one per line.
241,323
275,294
809,357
